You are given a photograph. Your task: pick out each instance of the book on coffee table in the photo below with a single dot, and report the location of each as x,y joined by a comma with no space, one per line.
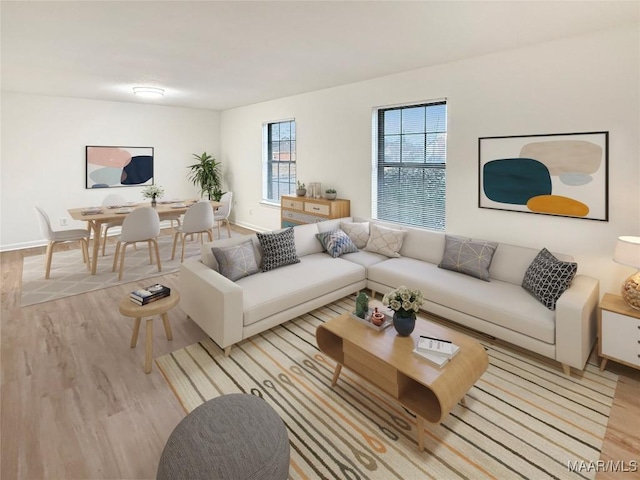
436,352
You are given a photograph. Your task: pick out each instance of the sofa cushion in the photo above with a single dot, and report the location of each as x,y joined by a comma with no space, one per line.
385,241
547,278
305,236
497,302
278,249
468,256
328,225
236,261
267,293
358,232
209,259
336,243
364,258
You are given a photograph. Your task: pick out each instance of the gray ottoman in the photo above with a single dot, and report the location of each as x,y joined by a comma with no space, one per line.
232,437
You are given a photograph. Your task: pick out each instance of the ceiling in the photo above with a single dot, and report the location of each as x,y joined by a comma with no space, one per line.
223,54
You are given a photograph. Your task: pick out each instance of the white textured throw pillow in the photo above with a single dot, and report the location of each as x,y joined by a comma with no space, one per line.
358,232
385,241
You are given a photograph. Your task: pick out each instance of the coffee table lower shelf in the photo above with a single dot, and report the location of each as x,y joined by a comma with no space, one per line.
385,360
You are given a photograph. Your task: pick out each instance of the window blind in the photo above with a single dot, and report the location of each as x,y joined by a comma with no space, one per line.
411,165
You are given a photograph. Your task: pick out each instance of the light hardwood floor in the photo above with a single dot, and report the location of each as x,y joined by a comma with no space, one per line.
75,402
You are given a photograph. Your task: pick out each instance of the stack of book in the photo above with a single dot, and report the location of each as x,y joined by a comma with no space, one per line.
435,350
150,294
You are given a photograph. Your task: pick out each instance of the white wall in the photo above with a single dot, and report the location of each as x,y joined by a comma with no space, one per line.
587,83
43,154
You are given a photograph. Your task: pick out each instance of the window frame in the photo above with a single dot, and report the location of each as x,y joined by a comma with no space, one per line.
378,163
268,196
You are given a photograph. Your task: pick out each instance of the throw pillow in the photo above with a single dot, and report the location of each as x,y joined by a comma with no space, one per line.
468,256
336,242
547,278
236,261
278,249
385,241
358,232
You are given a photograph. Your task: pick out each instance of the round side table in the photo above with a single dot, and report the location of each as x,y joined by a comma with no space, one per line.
159,307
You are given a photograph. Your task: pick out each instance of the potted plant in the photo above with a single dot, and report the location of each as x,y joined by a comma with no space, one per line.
206,174
301,191
153,192
405,303
330,194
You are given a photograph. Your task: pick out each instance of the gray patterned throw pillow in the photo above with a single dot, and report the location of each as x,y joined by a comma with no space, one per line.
336,242
547,278
236,261
468,256
278,249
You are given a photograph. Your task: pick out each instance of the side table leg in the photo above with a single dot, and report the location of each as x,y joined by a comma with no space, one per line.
336,374
420,432
148,357
167,326
136,329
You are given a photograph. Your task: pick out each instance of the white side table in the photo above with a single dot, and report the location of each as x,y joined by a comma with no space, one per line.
618,332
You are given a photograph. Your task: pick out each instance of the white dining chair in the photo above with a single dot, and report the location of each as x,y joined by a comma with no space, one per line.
141,225
61,236
198,219
111,200
223,212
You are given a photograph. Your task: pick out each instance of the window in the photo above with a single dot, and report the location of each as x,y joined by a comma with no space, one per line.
409,179
279,172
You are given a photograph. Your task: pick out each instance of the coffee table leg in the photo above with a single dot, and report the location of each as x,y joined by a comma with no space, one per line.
336,374
420,433
136,329
148,357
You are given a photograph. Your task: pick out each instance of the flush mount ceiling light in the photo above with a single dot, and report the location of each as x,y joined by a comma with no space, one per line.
148,92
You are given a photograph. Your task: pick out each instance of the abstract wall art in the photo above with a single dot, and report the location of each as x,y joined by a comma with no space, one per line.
563,174
119,166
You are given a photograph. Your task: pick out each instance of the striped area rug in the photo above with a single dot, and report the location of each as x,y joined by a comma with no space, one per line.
522,419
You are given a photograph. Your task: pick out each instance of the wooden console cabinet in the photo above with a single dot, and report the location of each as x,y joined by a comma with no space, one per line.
618,332
300,210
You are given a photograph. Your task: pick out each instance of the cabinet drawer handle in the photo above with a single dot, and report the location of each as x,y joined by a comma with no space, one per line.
318,208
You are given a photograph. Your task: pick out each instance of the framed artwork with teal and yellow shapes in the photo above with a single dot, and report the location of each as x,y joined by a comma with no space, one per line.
109,167
562,174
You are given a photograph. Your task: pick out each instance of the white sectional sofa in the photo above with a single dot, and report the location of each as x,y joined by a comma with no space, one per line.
232,311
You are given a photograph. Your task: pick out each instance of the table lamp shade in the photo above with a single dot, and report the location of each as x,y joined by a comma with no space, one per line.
627,252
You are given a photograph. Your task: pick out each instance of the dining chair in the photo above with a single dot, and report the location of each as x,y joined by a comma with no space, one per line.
61,236
111,200
197,219
141,225
223,212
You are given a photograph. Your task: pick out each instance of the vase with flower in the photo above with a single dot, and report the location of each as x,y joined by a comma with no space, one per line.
153,192
405,303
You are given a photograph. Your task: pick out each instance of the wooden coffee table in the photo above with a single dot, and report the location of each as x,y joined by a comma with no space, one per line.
386,360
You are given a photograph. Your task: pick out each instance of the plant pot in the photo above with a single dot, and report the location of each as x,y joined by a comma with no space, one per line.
404,323
330,196
301,192
153,202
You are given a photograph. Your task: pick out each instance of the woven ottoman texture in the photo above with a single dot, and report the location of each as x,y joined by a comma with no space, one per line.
232,437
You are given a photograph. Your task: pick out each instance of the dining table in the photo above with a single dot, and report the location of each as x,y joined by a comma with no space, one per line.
98,216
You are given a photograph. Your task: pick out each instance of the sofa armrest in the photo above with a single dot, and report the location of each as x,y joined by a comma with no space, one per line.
213,301
576,317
